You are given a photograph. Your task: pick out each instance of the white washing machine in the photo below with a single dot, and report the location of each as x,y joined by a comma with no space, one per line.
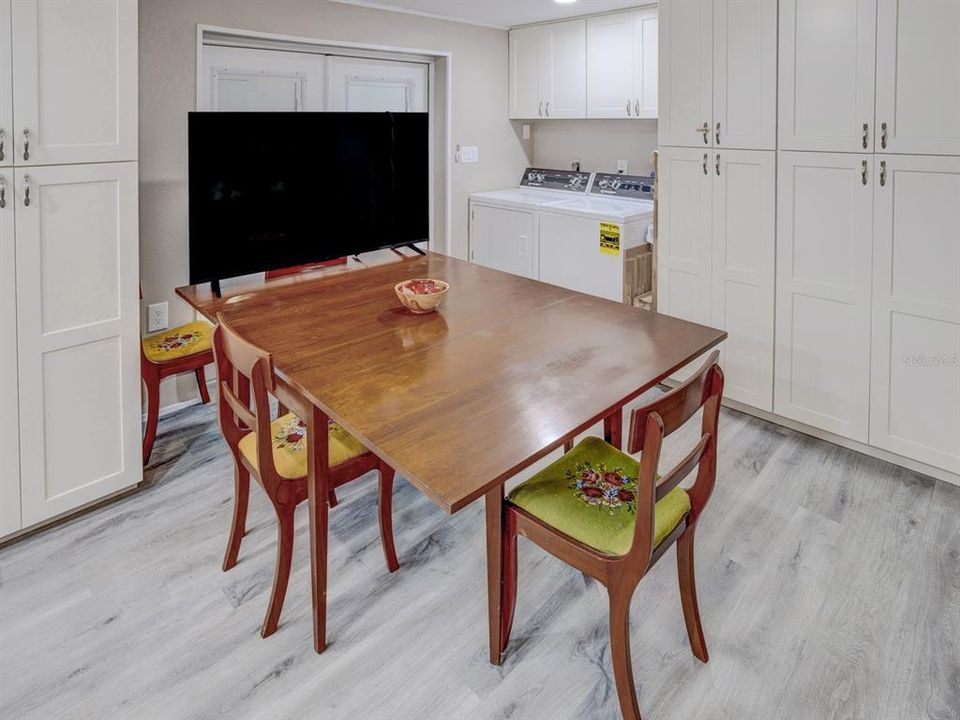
504,224
600,243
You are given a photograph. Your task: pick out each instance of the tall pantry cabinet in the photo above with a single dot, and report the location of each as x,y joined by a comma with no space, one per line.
69,313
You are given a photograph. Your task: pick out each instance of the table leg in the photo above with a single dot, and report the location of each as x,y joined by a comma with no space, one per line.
318,484
494,509
613,428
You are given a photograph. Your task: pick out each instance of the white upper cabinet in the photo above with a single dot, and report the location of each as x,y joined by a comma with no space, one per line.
622,65
548,71
80,103
918,88
744,74
915,398
525,73
826,88
686,73
6,89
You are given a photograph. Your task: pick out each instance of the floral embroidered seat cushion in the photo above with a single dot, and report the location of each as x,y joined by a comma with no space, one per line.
188,339
290,446
590,495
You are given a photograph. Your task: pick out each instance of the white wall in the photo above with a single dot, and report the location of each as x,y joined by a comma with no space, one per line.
598,144
168,35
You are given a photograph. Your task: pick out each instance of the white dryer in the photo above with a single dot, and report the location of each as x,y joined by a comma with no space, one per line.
599,243
504,224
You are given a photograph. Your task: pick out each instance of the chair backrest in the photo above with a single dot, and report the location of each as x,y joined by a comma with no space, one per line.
650,424
241,365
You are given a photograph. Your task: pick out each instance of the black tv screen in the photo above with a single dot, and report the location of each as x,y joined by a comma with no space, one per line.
271,190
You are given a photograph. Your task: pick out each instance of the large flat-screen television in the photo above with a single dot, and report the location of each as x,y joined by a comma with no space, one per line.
271,190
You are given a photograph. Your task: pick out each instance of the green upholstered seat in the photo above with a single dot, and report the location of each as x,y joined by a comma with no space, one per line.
590,495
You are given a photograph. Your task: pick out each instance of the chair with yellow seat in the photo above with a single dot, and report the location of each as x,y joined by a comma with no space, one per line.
612,517
275,452
187,348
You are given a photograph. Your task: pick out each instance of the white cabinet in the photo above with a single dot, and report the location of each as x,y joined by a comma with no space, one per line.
918,91
744,249
6,90
824,250
915,398
718,73
622,65
826,88
504,239
74,81
548,71
9,433
78,334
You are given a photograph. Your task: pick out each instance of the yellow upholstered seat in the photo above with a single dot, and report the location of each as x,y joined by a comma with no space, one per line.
290,446
590,495
189,339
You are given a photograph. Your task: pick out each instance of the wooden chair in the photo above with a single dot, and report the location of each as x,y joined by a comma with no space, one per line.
275,452
181,349
613,517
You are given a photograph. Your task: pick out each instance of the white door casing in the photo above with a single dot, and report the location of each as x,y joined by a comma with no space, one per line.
9,421
686,73
78,334
74,81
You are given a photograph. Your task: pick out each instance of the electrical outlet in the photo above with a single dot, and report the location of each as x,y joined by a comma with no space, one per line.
622,166
157,317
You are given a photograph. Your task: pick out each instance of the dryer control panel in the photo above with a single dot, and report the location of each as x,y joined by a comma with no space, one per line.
568,180
637,187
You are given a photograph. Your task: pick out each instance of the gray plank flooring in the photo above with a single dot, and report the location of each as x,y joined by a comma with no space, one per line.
829,585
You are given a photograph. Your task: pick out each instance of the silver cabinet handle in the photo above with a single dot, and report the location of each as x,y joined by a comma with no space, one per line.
717,165
705,130
2,137
883,138
704,163
716,134
26,190
3,193
540,109
548,108
26,144
866,133
636,108
628,107
863,172
883,173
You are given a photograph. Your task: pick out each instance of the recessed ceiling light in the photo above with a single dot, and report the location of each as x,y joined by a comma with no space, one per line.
564,2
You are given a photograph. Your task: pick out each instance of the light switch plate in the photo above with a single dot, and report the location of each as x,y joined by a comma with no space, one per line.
469,154
157,318
526,131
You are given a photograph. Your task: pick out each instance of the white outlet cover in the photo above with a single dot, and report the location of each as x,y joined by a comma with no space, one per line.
622,166
469,154
157,318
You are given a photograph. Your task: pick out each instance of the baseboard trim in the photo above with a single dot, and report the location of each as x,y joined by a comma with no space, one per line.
874,452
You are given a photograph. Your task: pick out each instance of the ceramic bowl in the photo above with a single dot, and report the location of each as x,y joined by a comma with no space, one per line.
421,295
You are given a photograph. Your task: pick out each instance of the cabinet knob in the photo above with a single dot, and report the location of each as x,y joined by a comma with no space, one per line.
704,163
547,108
540,110
628,107
716,134
26,144
705,130
3,193
636,108
863,172
883,138
2,139
26,190
866,133
883,173
716,165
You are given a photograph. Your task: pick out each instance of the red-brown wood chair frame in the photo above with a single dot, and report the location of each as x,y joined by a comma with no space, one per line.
621,574
247,366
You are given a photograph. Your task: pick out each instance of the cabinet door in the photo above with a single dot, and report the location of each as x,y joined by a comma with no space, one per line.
80,103
6,89
612,65
9,433
646,49
744,246
686,73
824,246
78,333
918,60
745,74
504,239
563,69
915,402
827,67
525,73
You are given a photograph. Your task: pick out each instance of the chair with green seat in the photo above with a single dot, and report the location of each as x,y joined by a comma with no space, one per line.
612,517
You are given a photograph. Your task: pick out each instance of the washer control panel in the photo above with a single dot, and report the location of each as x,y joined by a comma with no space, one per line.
638,187
568,180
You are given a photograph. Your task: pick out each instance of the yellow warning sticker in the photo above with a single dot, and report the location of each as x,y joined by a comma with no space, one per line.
609,238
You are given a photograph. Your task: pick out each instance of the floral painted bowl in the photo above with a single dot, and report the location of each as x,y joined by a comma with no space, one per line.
421,295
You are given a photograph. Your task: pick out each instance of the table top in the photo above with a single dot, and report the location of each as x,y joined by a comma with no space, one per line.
458,400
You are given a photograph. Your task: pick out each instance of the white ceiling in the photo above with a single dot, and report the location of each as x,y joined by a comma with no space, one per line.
500,13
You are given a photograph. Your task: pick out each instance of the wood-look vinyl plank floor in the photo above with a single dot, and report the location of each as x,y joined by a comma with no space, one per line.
829,585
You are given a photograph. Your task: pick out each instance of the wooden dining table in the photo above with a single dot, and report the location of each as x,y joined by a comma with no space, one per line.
460,400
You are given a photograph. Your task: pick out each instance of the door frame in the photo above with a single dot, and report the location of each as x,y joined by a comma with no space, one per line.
440,65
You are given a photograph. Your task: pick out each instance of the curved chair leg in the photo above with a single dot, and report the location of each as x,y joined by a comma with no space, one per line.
282,573
152,381
238,528
508,595
202,384
688,594
385,504
620,653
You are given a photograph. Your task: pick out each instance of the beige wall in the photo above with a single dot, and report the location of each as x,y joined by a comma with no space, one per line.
598,144
168,36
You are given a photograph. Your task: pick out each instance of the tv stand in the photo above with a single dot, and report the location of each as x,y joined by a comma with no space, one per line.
415,248
215,287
